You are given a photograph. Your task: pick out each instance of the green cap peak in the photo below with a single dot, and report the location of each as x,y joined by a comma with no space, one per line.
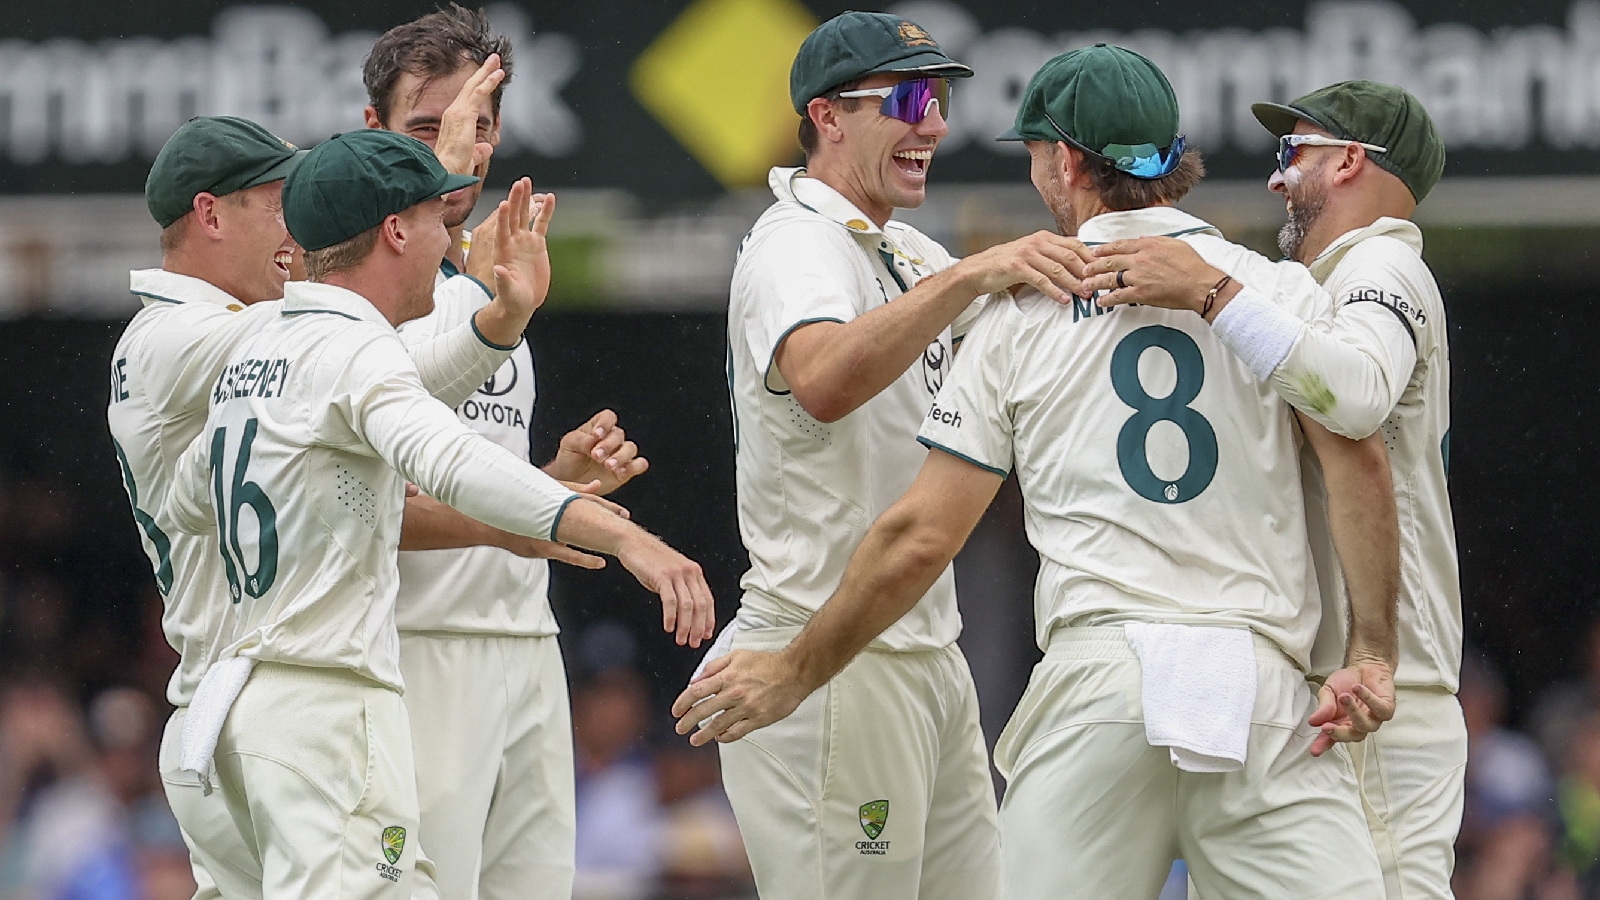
353,181
1106,99
854,45
215,155
1373,113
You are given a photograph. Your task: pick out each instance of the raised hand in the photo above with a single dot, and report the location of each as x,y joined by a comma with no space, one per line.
521,252
458,147
598,451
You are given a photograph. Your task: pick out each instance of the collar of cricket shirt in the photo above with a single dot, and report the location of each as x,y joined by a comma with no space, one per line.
796,186
1403,230
310,297
170,287
1152,221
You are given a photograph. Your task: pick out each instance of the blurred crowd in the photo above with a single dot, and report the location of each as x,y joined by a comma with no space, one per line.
83,817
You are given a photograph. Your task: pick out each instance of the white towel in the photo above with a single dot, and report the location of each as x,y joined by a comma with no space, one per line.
202,725
1199,690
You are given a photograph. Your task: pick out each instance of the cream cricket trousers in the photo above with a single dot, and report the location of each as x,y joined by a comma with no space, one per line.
315,768
876,788
1412,773
224,865
491,727
1092,810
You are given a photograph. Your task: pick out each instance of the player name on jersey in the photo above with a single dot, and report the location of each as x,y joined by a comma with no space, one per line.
251,378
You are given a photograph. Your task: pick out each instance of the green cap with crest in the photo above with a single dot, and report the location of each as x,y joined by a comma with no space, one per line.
854,45
1372,113
353,181
215,155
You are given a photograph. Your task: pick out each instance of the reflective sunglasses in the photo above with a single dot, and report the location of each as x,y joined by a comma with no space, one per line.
1289,147
909,101
1139,160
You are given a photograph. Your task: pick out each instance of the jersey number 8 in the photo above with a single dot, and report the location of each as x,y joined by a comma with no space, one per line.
1132,456
229,503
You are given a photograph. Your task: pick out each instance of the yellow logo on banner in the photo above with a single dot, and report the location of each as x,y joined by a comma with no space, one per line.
718,79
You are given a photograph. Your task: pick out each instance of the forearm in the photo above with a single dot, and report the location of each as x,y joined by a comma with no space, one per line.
895,565
431,525
836,371
453,354
1366,536
1347,375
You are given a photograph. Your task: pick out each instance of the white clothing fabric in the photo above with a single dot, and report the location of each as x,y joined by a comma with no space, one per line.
1161,480
1198,686
164,367
808,490
314,429
208,710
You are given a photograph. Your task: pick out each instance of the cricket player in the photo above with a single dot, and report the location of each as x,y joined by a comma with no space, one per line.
1175,599
315,427
497,791
1354,160
840,334
214,189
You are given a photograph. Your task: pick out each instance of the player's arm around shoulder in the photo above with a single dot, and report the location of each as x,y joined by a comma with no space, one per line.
833,368
1344,373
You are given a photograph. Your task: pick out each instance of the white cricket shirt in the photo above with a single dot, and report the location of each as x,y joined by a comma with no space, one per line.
479,590
1378,270
162,372
1161,479
315,426
808,490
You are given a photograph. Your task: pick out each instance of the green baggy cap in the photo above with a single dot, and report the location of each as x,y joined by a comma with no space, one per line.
214,155
352,182
1106,99
854,45
1372,113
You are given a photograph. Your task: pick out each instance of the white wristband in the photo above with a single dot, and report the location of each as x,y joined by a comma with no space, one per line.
1258,331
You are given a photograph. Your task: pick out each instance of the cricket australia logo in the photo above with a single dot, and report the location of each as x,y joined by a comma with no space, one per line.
394,843
874,816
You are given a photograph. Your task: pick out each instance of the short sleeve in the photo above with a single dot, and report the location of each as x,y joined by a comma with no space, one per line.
971,418
798,273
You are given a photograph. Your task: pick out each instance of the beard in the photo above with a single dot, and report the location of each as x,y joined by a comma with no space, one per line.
456,214
1309,197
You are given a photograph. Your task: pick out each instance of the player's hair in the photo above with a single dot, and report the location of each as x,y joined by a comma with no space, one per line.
431,47
173,236
1120,191
808,129
346,254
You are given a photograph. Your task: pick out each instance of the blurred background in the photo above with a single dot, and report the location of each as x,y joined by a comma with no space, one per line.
656,121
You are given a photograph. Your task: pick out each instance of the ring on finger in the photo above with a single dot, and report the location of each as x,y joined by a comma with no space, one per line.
1121,282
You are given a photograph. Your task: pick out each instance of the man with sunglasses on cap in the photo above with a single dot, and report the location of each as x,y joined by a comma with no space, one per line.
1170,716
215,191
313,432
1354,160
842,326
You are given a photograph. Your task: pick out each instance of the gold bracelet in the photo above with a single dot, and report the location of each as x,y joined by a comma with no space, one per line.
1211,295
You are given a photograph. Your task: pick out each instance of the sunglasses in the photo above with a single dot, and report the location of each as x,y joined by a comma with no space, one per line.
1139,160
909,101
1289,147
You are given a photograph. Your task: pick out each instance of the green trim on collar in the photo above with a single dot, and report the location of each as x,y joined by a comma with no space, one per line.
961,456
156,297
448,268
331,312
488,343
1195,230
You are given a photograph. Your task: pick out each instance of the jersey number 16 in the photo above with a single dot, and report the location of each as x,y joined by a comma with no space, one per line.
230,500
